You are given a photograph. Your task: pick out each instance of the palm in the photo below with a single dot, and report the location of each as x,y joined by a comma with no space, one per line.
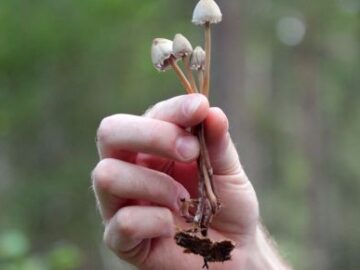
235,221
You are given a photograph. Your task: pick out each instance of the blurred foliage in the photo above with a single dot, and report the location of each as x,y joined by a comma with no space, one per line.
15,254
64,65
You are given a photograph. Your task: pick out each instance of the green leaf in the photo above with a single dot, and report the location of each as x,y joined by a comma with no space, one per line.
13,244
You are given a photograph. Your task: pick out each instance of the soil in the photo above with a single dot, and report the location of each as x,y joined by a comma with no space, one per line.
204,247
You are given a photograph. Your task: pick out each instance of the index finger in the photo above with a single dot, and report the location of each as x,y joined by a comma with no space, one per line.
185,111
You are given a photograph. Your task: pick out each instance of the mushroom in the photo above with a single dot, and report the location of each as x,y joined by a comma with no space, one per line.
198,59
181,46
161,53
182,49
205,13
163,58
198,63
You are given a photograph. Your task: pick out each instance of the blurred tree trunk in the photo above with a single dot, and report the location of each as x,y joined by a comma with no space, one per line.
312,143
228,76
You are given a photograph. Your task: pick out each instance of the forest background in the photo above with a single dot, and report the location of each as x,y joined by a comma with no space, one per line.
285,72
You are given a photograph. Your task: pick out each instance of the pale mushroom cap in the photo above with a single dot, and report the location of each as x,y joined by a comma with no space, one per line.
161,51
198,59
206,11
181,46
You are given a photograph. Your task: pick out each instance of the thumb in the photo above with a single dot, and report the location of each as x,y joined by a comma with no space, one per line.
223,155
240,211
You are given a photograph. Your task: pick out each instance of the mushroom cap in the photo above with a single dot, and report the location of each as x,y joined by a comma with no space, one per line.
161,52
181,46
206,11
198,59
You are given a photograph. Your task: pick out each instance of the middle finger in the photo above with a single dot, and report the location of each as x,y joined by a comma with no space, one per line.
115,182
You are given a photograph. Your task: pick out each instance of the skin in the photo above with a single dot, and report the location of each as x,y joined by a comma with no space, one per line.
148,163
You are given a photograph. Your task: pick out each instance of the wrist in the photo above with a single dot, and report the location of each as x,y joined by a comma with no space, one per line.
264,254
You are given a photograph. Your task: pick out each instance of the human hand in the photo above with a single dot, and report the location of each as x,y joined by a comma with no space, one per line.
148,164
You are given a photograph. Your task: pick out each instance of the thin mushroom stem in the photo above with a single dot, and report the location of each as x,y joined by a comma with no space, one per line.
206,168
206,84
184,81
189,73
200,75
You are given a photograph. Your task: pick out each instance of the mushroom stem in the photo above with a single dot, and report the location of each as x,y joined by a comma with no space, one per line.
189,73
184,81
200,75
206,84
206,168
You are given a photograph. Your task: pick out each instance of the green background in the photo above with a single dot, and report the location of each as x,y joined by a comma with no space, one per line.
285,72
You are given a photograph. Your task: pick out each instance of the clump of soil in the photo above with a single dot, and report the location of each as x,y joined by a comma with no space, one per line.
204,247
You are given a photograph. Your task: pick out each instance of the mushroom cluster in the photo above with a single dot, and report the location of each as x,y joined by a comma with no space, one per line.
165,55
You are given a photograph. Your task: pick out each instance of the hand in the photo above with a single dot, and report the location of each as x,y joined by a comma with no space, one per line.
148,164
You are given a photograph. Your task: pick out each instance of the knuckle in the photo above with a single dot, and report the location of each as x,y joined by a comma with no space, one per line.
124,223
105,129
164,217
153,136
165,109
224,118
153,110
102,175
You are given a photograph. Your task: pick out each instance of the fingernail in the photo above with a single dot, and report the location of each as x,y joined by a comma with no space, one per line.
187,147
182,197
192,105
